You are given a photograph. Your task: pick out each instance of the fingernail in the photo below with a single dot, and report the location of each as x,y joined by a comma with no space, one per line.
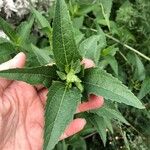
83,121
63,136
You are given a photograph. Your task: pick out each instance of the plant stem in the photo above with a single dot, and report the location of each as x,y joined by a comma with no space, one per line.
125,45
128,47
90,135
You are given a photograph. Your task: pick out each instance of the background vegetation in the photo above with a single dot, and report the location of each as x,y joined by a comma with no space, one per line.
120,29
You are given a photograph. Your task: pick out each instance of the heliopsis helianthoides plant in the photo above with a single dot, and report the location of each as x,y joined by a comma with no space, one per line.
69,83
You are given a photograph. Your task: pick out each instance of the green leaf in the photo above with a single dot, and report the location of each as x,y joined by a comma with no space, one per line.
60,108
42,55
145,89
138,67
24,31
86,2
6,49
100,126
43,22
90,48
100,82
78,22
85,9
111,50
108,124
102,38
61,146
110,113
113,63
78,143
78,36
106,6
39,75
61,75
64,44
8,29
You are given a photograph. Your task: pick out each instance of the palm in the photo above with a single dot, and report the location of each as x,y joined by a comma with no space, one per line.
22,117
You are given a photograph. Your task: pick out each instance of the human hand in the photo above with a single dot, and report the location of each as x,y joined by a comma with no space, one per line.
22,111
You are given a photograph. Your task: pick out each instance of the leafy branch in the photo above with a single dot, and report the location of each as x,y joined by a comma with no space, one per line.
128,47
119,42
66,78
125,45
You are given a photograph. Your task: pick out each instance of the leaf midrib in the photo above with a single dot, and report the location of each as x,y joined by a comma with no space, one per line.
26,74
104,89
62,99
63,39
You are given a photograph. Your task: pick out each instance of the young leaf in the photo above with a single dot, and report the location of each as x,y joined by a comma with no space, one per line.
111,50
100,126
60,108
100,82
39,75
8,29
64,44
145,89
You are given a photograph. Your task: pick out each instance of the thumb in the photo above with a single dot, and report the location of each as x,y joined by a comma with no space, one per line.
17,62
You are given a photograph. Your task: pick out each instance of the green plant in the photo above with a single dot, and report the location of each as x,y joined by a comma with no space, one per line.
63,93
67,80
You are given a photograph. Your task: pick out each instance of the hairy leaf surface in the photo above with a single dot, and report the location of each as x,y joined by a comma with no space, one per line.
100,82
40,75
60,108
64,44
